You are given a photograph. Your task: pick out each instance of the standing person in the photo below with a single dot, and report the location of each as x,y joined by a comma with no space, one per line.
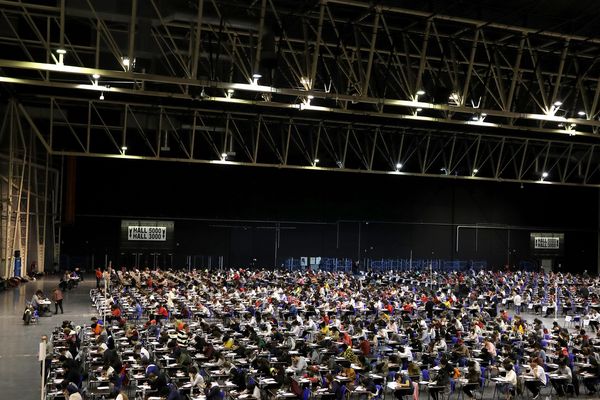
517,301
57,297
98,277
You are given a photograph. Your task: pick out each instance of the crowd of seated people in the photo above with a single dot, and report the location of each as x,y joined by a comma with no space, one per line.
262,334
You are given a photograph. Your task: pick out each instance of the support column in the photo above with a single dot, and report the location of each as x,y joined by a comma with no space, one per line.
597,269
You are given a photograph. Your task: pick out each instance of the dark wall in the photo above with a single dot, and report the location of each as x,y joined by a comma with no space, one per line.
233,212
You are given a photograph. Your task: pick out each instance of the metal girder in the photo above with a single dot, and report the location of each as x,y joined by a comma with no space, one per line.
28,196
334,60
301,142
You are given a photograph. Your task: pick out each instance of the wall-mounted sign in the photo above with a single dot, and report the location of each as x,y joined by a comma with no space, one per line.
149,233
546,243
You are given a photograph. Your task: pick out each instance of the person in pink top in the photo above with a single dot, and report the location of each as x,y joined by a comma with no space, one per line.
57,297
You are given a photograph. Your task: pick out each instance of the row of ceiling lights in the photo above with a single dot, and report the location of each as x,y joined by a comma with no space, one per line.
127,65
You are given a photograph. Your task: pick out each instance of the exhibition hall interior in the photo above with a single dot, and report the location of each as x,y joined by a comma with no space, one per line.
299,199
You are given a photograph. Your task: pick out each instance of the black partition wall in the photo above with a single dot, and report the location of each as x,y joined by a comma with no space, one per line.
241,216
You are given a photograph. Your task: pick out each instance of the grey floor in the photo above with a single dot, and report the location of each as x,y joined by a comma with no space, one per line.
19,368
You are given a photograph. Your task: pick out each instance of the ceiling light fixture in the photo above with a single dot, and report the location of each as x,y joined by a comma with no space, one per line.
420,92
544,175
581,113
61,56
304,81
398,166
101,96
126,63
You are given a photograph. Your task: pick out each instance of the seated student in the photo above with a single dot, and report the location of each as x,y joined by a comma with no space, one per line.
196,379
71,372
539,374
157,380
594,369
510,381
566,377
35,302
460,351
71,391
403,386
141,352
441,380
213,392
473,377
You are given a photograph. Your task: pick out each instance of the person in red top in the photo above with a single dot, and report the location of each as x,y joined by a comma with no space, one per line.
162,313
98,277
347,339
365,347
115,314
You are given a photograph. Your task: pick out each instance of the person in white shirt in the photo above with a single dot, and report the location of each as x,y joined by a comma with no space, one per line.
405,353
508,384
71,392
299,364
517,300
440,345
196,380
565,378
540,380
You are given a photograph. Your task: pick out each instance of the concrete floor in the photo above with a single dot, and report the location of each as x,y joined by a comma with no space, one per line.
19,368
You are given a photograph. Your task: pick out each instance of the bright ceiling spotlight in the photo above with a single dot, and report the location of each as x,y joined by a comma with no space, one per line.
581,113
544,174
420,92
398,166
310,97
475,171
224,156
558,103
96,76
61,56
101,96
419,109
126,62
304,81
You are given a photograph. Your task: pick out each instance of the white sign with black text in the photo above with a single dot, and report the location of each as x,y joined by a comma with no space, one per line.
551,243
147,233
